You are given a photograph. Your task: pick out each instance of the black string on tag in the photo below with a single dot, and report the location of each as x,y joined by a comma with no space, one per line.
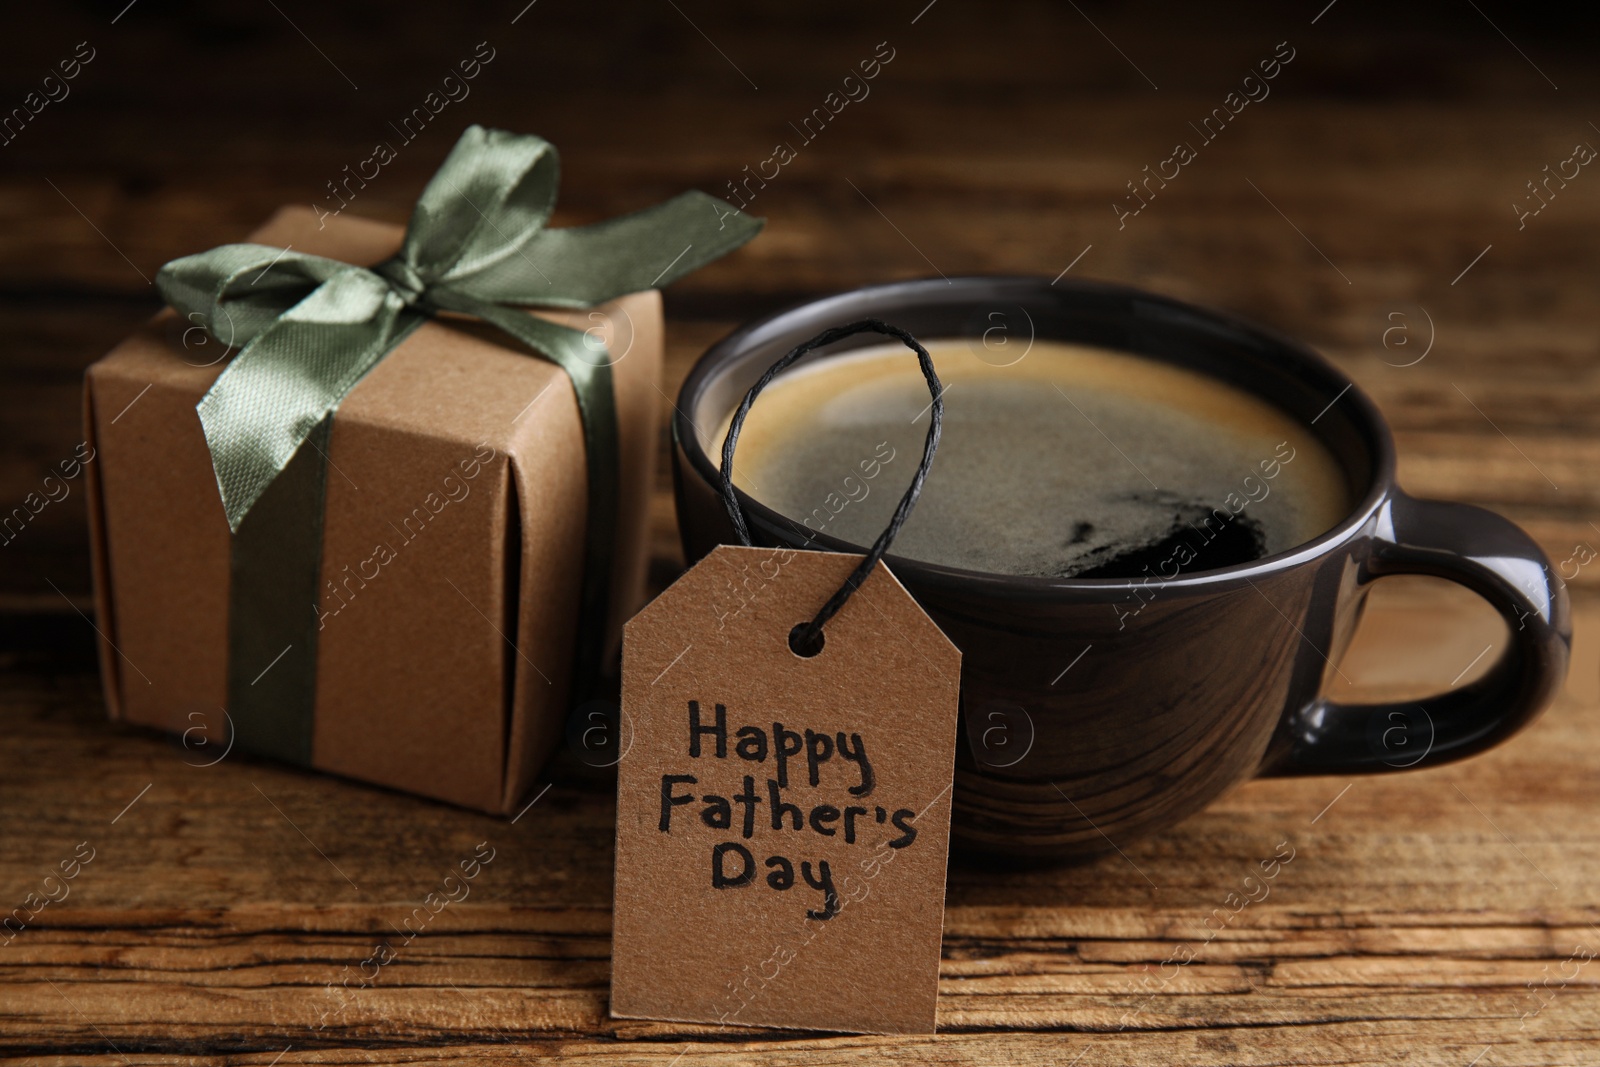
806,638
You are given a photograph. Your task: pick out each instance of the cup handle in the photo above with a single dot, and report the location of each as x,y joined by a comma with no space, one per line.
1495,559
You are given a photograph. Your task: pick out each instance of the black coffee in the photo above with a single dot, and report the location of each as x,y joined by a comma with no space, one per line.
1069,462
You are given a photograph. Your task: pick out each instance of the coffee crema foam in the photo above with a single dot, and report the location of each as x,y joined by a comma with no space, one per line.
1073,461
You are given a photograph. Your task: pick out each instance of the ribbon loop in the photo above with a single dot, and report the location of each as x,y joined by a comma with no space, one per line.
489,200
238,291
310,327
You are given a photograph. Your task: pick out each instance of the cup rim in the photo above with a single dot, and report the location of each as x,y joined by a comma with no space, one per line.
842,306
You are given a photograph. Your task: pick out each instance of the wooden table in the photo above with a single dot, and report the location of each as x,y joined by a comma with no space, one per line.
1441,917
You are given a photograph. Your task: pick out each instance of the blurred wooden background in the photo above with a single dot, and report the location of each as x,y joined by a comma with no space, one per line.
1367,206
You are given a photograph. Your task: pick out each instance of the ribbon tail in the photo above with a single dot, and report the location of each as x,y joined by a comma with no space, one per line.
274,587
291,377
590,372
586,265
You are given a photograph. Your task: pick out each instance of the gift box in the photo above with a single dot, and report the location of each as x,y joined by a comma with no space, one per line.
437,652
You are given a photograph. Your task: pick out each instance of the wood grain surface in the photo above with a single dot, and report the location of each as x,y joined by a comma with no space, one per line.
229,912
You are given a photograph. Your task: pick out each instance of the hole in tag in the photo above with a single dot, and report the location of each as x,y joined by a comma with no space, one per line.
802,648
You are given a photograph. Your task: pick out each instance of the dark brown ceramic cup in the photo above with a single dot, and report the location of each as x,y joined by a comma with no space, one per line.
1219,675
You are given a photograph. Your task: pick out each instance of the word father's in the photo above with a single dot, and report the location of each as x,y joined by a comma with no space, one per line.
804,754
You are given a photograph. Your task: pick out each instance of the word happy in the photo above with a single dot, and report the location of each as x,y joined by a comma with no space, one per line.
791,760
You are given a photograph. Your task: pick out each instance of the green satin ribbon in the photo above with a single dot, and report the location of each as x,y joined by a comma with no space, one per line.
311,327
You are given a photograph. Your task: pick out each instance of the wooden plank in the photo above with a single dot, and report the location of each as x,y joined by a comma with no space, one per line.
224,902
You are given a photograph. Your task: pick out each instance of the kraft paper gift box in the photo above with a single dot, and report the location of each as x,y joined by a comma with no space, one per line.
453,544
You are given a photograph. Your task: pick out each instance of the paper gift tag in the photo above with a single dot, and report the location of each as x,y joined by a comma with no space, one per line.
783,821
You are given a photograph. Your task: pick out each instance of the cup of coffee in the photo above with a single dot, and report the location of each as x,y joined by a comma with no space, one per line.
1150,528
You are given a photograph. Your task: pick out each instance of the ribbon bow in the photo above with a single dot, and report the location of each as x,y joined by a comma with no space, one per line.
311,327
